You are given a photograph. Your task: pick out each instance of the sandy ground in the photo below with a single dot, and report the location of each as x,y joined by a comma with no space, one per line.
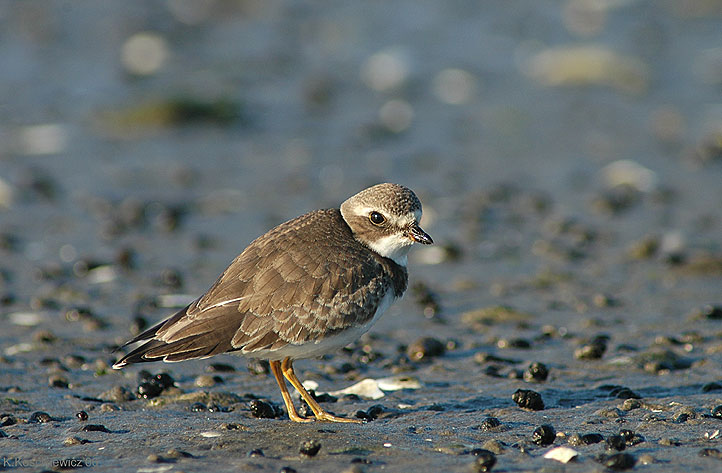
568,158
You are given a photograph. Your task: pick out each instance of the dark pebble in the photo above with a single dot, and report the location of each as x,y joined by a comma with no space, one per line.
372,413
618,461
164,380
544,435
616,442
258,367
82,416
361,461
711,387
198,407
631,438
255,453
263,409
323,397
175,453
7,419
717,412
310,448
485,460
593,350
425,348
711,312
518,343
624,393
710,452
171,279
536,373
528,399
39,417
3,434
287,469
95,428
586,439
149,390
489,423
220,368
57,381
138,324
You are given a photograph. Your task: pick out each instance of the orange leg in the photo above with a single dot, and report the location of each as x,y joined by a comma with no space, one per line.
292,414
287,369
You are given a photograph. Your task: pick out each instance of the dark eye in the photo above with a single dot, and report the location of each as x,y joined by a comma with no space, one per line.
376,218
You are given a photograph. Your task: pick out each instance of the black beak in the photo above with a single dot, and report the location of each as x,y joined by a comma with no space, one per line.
418,235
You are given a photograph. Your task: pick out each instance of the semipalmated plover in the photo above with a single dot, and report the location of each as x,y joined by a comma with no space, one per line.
309,286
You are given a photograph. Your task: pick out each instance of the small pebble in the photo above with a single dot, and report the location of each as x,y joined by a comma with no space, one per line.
616,442
621,392
711,387
528,399
586,439
536,373
149,390
57,381
710,452
263,409
198,407
39,417
372,413
118,394
485,461
494,446
255,453
631,404
7,419
310,448
75,441
488,424
425,348
631,438
220,368
717,412
544,435
175,453
258,367
287,469
593,350
82,416
618,461
205,381
95,428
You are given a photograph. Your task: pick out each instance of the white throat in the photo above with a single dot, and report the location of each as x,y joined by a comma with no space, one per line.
395,247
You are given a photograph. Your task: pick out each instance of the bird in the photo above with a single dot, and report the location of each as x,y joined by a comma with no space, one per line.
307,287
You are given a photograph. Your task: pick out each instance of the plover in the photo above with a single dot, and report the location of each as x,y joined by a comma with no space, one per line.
307,287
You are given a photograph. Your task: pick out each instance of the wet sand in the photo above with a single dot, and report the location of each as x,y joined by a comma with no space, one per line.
568,159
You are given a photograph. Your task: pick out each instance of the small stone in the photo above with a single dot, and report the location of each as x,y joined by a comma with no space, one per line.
493,446
198,407
310,448
57,381
164,380
669,442
711,387
45,336
149,390
372,413
258,367
263,410
109,408
618,461
485,461
287,469
631,438
710,312
593,350
620,392
488,424
75,441
118,394
710,452
544,435
425,349
95,428
175,453
39,417
645,459
631,404
255,453
205,381
616,442
717,412
7,419
518,343
536,373
82,416
220,368
528,399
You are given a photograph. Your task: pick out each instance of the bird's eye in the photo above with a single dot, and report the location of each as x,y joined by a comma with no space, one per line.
376,218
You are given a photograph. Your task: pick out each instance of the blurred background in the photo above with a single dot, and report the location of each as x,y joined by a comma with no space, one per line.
167,135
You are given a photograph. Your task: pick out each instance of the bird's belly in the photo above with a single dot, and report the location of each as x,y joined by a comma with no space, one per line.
325,345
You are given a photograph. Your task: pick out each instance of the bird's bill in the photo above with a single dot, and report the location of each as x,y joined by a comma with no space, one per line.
418,235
